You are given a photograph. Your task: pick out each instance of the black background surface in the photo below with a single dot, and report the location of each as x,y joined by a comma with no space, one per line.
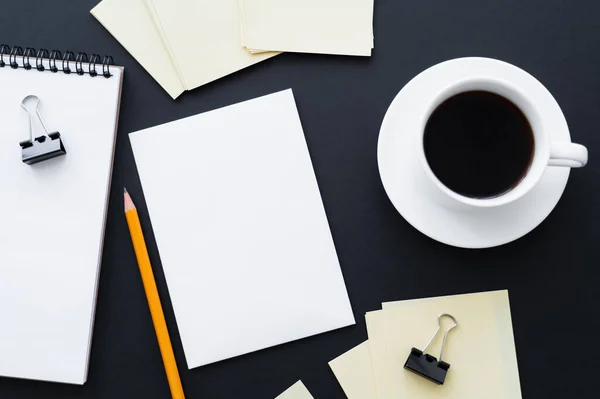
552,274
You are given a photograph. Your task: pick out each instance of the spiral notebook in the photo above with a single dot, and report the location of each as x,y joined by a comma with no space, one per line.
53,213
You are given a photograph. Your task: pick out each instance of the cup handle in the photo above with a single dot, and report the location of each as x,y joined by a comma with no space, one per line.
568,154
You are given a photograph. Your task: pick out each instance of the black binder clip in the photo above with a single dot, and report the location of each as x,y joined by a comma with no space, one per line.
41,148
428,366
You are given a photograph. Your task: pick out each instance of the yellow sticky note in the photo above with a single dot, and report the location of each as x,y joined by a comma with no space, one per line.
343,27
203,38
376,329
354,372
296,391
480,351
132,25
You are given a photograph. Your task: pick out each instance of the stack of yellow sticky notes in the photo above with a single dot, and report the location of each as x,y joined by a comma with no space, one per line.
343,27
480,350
185,44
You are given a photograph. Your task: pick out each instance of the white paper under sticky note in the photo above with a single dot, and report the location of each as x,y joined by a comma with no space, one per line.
241,229
131,24
343,27
354,372
296,391
204,38
480,350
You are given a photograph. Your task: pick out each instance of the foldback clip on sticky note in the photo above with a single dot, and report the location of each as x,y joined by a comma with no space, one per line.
428,366
42,147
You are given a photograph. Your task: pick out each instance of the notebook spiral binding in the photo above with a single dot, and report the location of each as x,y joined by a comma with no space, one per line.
29,58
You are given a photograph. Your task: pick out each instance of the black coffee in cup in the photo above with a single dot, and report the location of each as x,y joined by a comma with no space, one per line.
478,144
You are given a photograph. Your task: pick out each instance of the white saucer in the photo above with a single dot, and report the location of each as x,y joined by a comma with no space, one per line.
408,188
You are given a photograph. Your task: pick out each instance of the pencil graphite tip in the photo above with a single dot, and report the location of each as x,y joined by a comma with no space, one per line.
125,190
129,205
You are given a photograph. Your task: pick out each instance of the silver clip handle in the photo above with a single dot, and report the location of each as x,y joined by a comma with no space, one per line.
445,334
31,115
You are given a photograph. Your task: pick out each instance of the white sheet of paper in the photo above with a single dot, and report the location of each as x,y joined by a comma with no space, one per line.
132,25
296,391
343,27
241,229
481,350
204,38
354,372
52,219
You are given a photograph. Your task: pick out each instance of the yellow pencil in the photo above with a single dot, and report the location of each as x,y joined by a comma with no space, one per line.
158,317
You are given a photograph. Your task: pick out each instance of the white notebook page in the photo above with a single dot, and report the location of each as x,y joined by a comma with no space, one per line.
241,229
52,219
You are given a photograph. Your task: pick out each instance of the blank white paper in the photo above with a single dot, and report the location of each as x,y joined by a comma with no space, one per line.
52,217
241,229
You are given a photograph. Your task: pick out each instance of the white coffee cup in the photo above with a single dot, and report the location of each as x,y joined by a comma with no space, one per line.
547,153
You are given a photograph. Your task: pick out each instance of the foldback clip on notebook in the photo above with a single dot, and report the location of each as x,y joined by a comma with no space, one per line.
43,147
428,366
